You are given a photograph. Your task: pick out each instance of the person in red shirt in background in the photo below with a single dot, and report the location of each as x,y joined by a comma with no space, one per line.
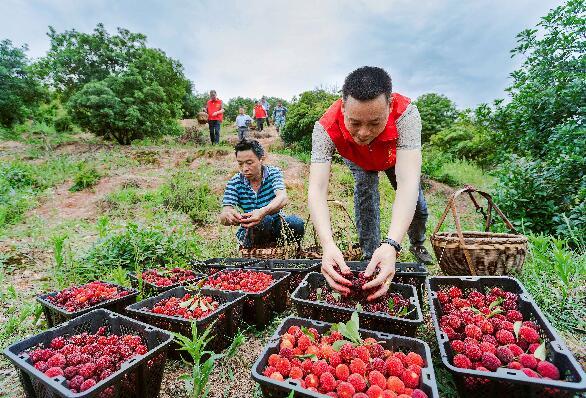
215,111
260,114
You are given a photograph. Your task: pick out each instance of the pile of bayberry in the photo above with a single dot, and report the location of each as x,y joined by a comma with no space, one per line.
77,298
170,277
487,331
190,306
391,303
364,370
85,359
247,281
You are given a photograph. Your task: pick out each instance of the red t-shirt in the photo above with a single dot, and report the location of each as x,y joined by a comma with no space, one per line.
214,106
259,112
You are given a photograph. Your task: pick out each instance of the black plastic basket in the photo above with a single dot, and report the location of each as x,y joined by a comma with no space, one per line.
259,307
298,268
507,382
56,315
273,388
370,320
233,261
150,289
408,273
138,377
227,317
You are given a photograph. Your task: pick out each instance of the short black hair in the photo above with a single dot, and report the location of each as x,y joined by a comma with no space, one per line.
250,145
367,83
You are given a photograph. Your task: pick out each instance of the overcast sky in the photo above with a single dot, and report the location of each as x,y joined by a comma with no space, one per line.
280,48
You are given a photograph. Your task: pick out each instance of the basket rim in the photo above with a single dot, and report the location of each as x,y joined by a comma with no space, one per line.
477,235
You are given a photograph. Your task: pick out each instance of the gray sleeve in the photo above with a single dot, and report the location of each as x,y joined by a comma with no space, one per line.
322,146
409,128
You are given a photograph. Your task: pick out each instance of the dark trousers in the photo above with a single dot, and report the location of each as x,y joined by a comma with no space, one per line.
367,209
269,231
259,122
214,131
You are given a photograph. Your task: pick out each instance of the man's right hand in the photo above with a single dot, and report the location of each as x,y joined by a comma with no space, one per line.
333,256
231,216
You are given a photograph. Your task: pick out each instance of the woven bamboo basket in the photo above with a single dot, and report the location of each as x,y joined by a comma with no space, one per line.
202,117
475,252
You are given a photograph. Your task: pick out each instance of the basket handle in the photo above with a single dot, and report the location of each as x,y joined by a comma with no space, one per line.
452,206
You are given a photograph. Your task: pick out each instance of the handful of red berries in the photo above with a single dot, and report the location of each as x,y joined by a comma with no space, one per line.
247,281
189,306
163,278
364,370
486,332
77,298
86,359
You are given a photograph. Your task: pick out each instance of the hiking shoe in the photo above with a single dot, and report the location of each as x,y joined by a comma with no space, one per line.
421,254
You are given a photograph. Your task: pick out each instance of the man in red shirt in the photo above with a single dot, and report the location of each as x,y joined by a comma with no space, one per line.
260,114
374,130
215,111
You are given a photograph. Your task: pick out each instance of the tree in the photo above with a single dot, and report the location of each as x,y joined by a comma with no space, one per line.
302,115
144,101
544,124
437,112
20,91
76,58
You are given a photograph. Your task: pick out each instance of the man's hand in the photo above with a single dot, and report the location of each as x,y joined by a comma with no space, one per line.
383,258
332,256
253,218
214,113
231,216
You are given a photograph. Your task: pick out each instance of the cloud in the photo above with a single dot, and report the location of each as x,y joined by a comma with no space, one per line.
281,48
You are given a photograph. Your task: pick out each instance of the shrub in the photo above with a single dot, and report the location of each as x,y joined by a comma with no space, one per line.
138,246
302,115
195,198
466,140
86,176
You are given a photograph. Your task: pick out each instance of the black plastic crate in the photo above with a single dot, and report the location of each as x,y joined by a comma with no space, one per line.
150,289
138,377
272,388
233,261
56,315
298,268
408,273
259,307
507,382
370,320
227,317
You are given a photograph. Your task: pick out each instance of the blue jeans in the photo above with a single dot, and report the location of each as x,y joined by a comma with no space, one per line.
214,131
367,209
269,232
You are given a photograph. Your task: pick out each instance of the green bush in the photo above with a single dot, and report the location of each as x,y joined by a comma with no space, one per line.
86,176
466,140
437,113
302,115
186,193
144,101
138,246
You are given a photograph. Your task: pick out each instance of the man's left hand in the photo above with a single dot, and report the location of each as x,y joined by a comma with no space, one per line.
383,258
253,218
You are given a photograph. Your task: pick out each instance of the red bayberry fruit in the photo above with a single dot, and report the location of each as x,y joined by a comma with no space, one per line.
462,361
327,382
490,361
394,366
377,378
528,334
345,390
410,378
505,337
54,372
357,381
342,372
528,361
548,369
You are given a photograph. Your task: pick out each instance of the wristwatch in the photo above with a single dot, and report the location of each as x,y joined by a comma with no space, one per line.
393,243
